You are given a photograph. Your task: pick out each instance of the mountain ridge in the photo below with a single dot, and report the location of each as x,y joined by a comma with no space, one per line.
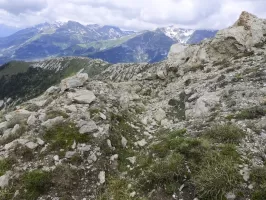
71,39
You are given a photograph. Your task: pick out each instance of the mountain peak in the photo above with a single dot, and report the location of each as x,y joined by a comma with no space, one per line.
246,19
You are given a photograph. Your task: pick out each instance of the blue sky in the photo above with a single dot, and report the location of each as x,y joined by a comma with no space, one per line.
130,14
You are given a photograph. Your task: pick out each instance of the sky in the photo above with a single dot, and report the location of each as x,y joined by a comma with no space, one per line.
130,14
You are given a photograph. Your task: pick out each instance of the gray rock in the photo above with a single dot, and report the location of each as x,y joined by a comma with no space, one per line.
74,82
103,116
4,180
101,177
52,90
31,145
52,122
162,74
141,143
82,96
15,129
31,120
18,116
71,108
124,142
3,127
132,160
2,103
70,154
160,115
40,141
88,127
204,104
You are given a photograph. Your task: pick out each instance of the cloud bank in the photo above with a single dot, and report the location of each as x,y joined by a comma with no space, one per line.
130,14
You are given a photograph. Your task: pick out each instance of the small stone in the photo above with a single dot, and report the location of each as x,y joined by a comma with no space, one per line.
71,108
82,96
31,145
114,157
52,90
56,158
160,115
142,143
52,122
40,141
250,187
132,160
124,142
103,116
162,74
101,177
70,154
74,145
2,103
4,180
88,127
230,196
132,194
15,129
31,120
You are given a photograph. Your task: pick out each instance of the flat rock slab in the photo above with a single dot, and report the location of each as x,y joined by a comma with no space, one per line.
82,96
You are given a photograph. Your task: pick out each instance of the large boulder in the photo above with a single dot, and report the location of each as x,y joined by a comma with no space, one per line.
74,81
50,123
18,116
4,180
204,104
87,127
3,127
82,96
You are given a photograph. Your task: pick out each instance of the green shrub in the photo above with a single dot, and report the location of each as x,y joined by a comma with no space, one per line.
225,134
36,183
63,136
251,113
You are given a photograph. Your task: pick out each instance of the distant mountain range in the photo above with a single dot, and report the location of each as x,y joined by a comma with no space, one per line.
108,43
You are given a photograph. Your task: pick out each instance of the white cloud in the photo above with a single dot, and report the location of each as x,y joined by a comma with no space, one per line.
130,14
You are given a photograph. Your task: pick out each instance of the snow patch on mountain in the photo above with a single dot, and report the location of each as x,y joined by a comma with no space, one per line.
178,34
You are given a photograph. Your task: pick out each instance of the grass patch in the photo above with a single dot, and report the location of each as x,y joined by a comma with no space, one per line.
36,183
117,188
63,136
56,113
6,165
258,177
225,134
251,113
176,159
167,173
120,127
217,177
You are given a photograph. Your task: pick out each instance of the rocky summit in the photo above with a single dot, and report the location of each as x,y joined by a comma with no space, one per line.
192,127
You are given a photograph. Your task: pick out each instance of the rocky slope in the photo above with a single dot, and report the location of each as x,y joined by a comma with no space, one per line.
20,81
191,127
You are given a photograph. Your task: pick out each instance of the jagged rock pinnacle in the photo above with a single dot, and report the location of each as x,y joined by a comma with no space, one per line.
244,19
